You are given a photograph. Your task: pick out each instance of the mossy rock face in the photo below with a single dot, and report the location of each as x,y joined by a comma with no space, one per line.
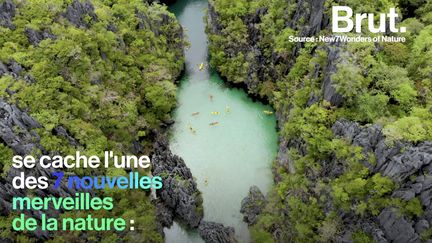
252,205
180,194
89,76
354,118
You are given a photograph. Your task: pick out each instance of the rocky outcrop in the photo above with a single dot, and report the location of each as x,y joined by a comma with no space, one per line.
328,88
7,12
146,22
15,70
213,20
18,128
308,18
258,65
408,162
252,205
336,54
396,227
408,165
12,68
163,213
399,162
179,192
314,15
421,187
62,132
12,120
155,25
35,36
17,132
216,233
77,13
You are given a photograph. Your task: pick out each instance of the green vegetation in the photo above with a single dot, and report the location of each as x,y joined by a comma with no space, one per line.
6,155
108,83
386,83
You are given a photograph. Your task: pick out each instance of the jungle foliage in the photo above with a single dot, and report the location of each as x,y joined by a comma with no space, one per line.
384,83
108,81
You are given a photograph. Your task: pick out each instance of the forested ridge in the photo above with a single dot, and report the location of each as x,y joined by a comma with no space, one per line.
88,76
355,119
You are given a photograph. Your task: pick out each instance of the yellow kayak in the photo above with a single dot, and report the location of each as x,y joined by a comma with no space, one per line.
215,113
201,66
227,109
268,112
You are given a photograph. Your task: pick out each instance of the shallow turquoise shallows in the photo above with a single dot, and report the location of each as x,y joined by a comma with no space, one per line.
224,137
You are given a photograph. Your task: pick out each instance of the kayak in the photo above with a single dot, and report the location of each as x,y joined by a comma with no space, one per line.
227,109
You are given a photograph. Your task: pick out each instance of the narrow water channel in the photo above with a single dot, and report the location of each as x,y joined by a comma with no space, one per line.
233,153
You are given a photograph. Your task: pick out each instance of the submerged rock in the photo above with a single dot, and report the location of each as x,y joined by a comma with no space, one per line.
216,233
179,192
252,205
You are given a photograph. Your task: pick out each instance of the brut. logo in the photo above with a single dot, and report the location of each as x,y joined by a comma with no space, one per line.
349,24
